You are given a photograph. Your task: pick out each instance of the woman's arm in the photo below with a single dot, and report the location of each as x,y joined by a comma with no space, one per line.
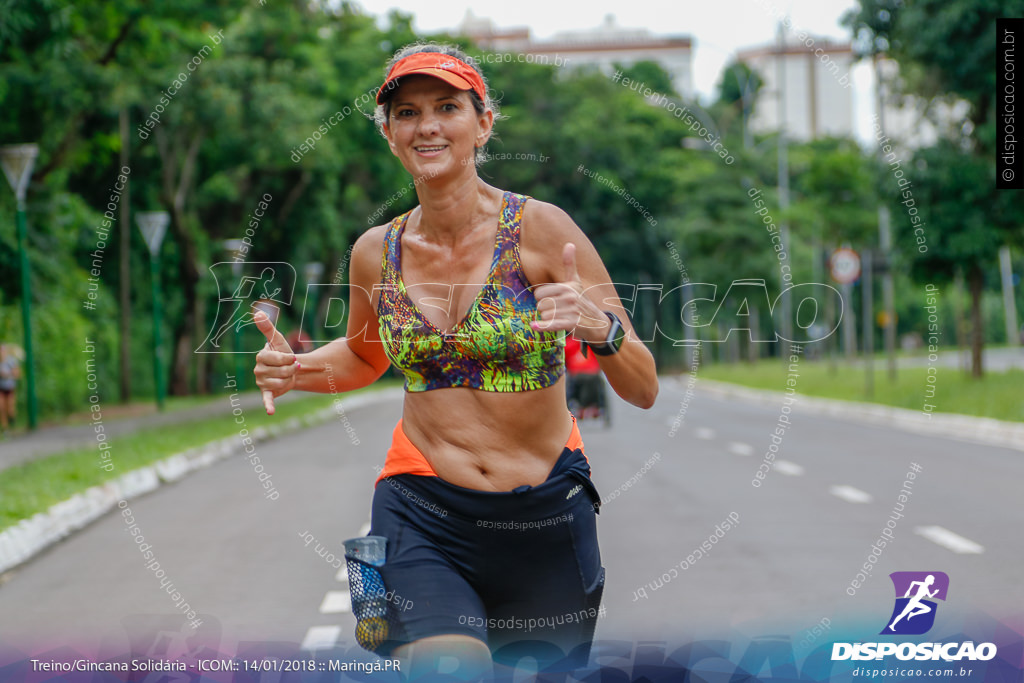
347,363
578,289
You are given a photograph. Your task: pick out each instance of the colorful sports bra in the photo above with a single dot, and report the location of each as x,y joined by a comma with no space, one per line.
493,348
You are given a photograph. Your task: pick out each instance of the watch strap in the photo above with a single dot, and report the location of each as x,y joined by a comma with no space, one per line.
616,336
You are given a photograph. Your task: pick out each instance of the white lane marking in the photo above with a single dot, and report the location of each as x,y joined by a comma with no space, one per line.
336,602
949,540
788,468
364,529
737,448
342,574
320,637
850,494
704,433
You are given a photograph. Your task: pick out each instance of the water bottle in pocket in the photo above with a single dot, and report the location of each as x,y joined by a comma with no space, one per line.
375,621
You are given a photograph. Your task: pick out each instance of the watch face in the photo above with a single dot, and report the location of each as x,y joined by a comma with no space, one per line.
613,342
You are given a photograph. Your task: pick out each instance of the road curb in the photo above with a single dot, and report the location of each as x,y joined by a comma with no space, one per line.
982,430
31,536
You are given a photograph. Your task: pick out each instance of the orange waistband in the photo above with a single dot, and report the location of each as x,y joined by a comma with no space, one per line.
404,458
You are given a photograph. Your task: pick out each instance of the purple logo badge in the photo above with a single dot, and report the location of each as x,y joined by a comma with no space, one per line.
916,592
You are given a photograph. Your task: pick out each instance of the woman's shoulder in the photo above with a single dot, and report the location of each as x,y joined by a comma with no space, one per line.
543,232
367,253
371,240
545,225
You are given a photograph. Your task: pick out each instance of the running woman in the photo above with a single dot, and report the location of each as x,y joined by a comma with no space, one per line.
485,496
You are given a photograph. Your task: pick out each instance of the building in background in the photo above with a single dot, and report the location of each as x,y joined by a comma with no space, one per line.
485,35
807,83
813,79
602,47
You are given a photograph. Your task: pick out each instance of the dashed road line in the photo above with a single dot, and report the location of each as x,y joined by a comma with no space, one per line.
320,637
788,468
850,494
705,433
949,540
336,602
737,448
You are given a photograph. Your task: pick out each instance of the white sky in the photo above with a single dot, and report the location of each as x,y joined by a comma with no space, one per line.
718,27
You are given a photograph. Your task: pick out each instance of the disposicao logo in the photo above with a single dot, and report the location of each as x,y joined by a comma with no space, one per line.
913,615
916,592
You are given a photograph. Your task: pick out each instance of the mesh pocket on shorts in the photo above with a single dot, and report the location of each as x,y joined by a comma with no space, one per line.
376,622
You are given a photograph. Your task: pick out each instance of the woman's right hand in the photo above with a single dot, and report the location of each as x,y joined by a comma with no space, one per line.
276,363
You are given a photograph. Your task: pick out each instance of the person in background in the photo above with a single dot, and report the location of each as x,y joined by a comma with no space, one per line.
10,373
584,384
300,342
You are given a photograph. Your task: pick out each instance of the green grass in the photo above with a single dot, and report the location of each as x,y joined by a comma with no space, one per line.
34,486
997,395
135,408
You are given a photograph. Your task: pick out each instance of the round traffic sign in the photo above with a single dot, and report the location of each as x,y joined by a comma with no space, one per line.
845,266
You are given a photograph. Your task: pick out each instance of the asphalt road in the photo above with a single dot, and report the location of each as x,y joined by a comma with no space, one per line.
241,560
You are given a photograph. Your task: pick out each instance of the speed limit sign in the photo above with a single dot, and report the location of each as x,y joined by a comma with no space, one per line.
845,266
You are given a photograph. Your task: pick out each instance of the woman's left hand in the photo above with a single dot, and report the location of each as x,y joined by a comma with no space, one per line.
564,306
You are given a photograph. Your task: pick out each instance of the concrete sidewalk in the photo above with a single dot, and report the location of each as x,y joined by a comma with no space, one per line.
48,440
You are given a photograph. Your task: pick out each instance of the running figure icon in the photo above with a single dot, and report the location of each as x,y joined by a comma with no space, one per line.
917,594
915,606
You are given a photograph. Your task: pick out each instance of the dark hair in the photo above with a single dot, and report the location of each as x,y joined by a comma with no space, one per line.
383,111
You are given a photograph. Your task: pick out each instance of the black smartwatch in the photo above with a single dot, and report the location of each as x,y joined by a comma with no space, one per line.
613,342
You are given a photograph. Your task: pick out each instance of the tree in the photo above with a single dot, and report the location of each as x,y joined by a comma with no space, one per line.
946,49
738,90
650,74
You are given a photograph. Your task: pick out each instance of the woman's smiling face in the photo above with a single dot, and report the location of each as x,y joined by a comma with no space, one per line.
433,127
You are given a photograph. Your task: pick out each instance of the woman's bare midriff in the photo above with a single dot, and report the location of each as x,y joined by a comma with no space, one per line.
489,441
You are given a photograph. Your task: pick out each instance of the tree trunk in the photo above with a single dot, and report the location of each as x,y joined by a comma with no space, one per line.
976,282
178,166
959,323
202,359
293,196
179,382
187,281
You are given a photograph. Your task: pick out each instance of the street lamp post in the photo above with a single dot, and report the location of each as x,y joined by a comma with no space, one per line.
783,189
885,240
17,161
153,225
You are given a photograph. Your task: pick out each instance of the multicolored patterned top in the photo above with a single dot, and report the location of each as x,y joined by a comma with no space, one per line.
493,348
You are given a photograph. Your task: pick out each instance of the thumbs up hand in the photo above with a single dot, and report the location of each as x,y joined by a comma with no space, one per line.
563,306
276,363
